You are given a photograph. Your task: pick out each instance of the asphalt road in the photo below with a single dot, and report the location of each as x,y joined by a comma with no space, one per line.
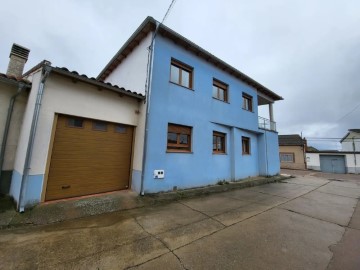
308,222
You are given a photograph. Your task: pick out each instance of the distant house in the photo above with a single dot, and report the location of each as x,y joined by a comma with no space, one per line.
333,161
292,152
192,121
351,141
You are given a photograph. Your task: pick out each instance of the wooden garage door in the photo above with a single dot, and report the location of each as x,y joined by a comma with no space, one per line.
88,157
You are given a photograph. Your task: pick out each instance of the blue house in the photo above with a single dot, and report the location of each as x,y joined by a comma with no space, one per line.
187,120
202,123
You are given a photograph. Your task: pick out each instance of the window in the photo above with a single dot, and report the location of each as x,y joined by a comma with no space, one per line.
120,129
287,157
247,102
220,91
99,125
75,122
178,138
246,146
181,74
219,141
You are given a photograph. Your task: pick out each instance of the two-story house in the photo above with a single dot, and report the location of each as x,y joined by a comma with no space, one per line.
202,114
189,120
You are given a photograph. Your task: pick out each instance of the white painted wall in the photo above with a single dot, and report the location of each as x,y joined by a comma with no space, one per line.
63,96
6,92
26,125
312,160
131,73
347,144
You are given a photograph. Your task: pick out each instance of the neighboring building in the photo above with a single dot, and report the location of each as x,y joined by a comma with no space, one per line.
198,124
351,141
292,152
345,161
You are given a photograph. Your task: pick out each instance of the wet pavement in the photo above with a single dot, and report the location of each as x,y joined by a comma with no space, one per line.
307,222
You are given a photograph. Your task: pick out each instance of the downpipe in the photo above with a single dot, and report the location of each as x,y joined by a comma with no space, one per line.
147,100
29,151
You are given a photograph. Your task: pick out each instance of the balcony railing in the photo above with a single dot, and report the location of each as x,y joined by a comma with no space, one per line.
267,124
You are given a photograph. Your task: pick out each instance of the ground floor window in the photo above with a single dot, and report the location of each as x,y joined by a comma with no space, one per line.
179,138
219,141
245,145
287,157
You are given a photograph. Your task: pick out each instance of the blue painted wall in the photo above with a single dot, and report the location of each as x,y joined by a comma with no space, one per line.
171,103
33,188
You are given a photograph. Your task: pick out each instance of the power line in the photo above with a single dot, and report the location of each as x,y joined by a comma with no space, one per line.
357,106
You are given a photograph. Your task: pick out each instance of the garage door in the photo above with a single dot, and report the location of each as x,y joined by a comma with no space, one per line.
88,157
332,164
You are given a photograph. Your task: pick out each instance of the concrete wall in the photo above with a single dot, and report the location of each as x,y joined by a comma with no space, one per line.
299,159
352,162
63,96
131,73
171,103
6,92
313,161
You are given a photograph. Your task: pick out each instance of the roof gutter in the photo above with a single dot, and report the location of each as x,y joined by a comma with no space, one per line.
24,180
21,88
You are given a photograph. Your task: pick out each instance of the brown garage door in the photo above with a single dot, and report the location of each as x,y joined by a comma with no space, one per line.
88,157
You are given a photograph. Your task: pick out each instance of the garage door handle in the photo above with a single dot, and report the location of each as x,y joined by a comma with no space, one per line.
65,187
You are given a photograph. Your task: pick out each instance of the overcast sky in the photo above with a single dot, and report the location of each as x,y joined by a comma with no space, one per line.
307,51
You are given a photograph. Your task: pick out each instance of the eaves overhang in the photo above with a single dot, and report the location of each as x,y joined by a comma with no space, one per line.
150,24
101,85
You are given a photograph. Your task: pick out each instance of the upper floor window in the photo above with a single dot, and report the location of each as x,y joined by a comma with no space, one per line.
178,138
220,90
181,74
245,145
247,102
219,141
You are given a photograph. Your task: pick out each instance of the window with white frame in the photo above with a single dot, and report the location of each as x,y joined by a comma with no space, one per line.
287,157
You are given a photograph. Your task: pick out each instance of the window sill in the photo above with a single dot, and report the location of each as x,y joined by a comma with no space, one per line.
247,110
179,152
245,154
216,153
221,100
181,86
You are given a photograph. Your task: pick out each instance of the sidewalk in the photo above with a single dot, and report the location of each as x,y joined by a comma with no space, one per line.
69,209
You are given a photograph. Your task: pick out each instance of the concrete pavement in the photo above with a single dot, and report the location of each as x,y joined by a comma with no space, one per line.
303,223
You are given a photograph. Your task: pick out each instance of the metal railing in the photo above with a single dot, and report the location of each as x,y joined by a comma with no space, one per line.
267,124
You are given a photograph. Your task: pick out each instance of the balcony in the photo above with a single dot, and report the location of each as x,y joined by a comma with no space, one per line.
266,124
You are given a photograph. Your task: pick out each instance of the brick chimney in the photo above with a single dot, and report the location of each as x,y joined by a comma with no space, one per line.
18,57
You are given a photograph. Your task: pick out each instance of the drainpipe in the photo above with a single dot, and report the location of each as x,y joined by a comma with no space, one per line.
353,143
21,87
147,100
24,180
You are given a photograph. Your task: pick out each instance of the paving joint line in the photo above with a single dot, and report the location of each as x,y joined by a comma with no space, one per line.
339,195
210,217
162,242
225,226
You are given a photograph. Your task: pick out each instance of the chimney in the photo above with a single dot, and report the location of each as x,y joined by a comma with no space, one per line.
18,57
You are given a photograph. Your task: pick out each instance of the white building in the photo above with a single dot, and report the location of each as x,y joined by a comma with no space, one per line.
345,161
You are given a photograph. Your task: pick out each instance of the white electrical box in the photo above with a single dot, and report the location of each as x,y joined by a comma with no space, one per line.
159,174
